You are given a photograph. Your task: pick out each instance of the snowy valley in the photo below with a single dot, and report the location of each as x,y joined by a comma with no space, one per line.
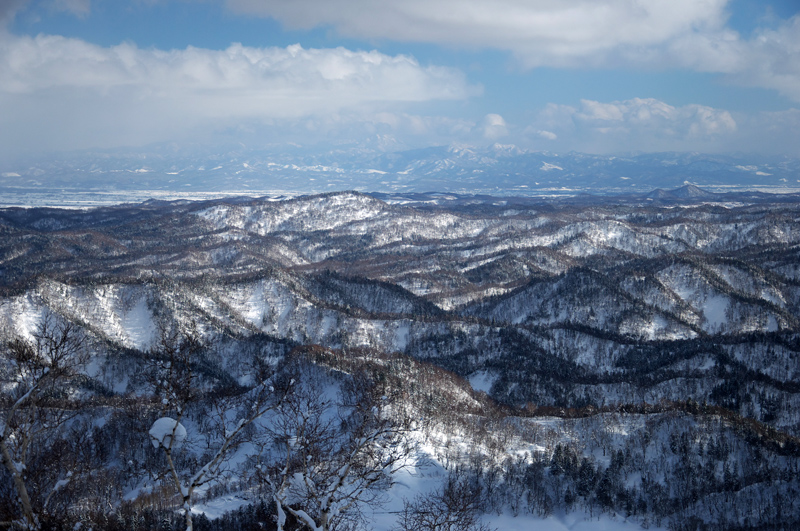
354,361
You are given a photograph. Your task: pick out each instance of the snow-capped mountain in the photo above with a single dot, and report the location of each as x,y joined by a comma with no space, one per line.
496,169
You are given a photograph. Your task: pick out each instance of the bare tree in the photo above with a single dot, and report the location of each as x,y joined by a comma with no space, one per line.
333,451
455,507
34,382
229,413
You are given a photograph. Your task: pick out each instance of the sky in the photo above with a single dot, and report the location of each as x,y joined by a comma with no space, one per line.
597,76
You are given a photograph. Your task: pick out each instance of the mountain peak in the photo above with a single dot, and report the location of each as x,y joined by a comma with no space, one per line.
691,191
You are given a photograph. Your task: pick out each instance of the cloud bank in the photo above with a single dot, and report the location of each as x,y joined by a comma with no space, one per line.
635,125
66,93
653,34
647,124
540,32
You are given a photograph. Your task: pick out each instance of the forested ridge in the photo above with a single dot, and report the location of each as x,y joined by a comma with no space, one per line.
637,359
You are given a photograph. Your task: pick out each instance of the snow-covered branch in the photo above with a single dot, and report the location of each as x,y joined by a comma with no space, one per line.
34,368
235,412
336,453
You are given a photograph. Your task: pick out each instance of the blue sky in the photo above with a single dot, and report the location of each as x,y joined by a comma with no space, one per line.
606,76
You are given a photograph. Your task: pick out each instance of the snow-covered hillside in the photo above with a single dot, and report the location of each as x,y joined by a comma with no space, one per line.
633,363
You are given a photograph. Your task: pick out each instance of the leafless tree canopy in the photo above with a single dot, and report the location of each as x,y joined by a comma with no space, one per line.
35,400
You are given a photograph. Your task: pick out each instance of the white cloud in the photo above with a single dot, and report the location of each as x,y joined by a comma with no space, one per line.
633,125
653,34
80,94
540,32
650,114
494,127
772,60
240,79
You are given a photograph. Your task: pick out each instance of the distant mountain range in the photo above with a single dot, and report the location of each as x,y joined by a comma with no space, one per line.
494,170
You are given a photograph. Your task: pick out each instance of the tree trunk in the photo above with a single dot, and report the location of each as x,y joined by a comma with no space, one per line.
19,484
187,511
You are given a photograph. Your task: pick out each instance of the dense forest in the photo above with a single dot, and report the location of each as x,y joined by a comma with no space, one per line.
295,361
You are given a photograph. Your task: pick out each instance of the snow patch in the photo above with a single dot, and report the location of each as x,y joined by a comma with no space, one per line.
482,380
217,507
138,323
714,310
